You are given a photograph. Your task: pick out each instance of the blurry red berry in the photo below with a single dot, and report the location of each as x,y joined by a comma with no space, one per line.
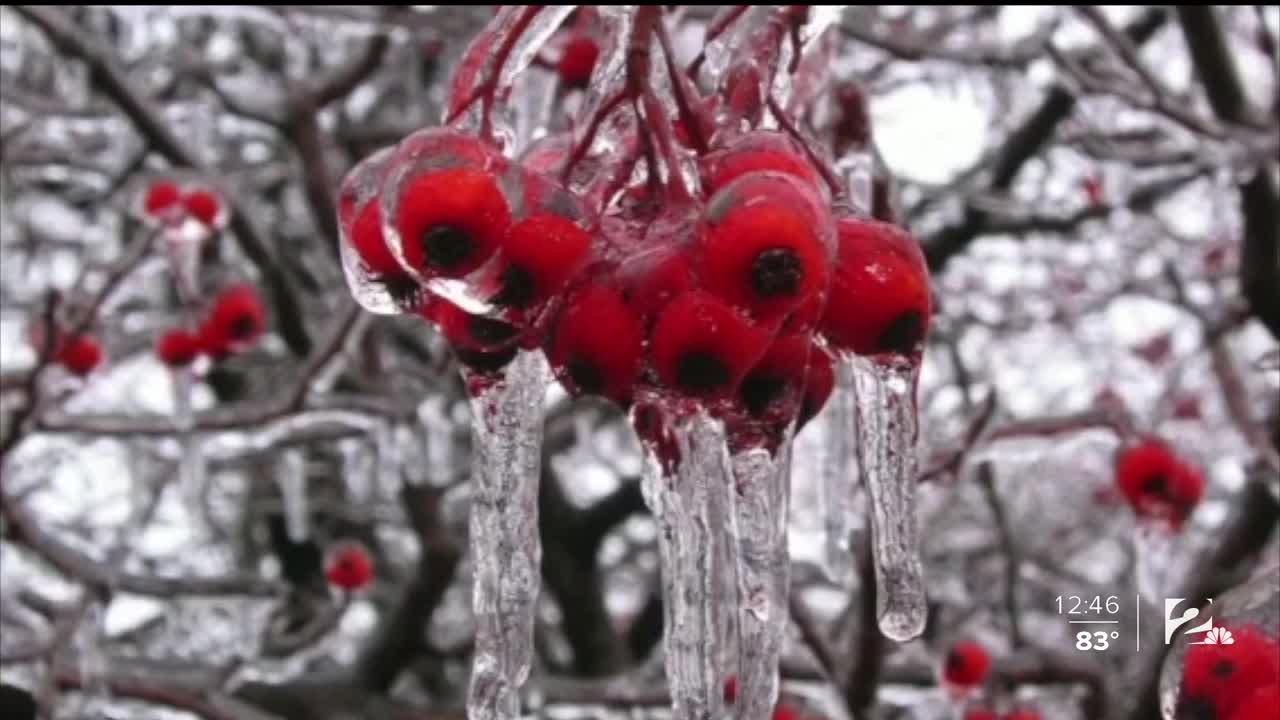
1157,483
1093,192
764,245
879,299
981,715
755,151
450,222
161,196
349,568
80,355
371,245
820,382
178,348
1217,679
1262,704
653,278
702,347
204,206
1023,715
784,712
577,61
731,689
539,257
235,322
597,344
966,664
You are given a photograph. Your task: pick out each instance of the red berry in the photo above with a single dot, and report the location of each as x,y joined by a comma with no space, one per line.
1217,679
577,61
966,664
879,300
756,151
451,221
235,322
1261,705
349,568
731,689
539,257
820,382
702,347
161,196
1023,715
371,245
981,715
1157,483
651,278
597,344
204,206
765,245
773,385
80,355
178,348
784,712
481,343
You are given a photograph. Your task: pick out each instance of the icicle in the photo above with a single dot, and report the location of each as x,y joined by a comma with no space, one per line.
94,667
191,464
884,392
505,548
839,478
762,500
691,506
182,244
291,475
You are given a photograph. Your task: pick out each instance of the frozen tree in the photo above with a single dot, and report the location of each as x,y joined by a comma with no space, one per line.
377,362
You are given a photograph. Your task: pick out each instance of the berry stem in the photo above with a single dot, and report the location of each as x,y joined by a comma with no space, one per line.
580,150
714,31
837,190
485,91
692,124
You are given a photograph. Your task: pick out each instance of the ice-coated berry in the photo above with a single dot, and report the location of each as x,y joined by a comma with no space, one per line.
204,206
577,61
966,664
471,335
765,245
539,257
731,689
597,344
1262,704
1023,715
1157,483
236,321
1217,679
756,151
349,568
702,347
879,299
178,348
784,712
980,714
80,354
451,221
653,278
820,382
161,197
777,380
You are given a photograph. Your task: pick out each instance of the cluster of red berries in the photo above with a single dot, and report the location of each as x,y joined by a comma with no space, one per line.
1232,681
1158,485
78,353
349,567
166,201
235,321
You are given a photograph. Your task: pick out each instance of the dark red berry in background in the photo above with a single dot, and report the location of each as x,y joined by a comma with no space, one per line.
178,348
577,61
702,347
539,257
764,245
349,568
468,331
80,355
1023,715
878,301
450,222
597,344
756,151
204,206
784,712
161,196
1157,483
981,715
820,382
731,689
1261,705
966,664
236,321
1219,678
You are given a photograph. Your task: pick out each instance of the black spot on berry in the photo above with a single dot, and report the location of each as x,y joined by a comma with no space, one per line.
1224,668
760,391
244,326
17,703
486,362
486,331
701,372
776,272
1157,485
446,247
586,376
1196,708
903,334
517,288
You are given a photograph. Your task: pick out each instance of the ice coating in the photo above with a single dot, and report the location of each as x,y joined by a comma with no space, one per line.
360,187
183,243
884,394
291,476
762,483
192,462
839,477
505,546
93,663
690,502
603,95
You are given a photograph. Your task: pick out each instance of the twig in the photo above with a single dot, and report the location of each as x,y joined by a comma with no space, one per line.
1009,545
